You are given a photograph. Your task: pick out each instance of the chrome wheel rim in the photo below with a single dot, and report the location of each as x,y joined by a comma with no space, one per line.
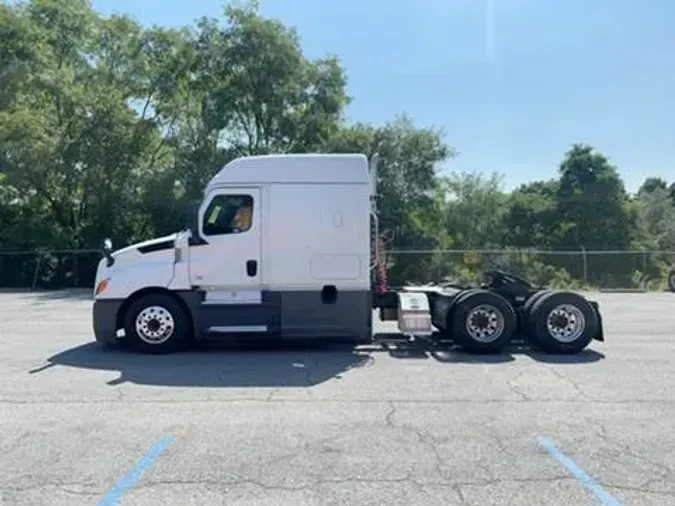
565,323
155,325
485,323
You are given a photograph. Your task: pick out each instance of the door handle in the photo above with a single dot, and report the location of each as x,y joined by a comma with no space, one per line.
251,268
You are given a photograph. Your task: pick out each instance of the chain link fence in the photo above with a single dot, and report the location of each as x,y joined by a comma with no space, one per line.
48,270
645,270
648,270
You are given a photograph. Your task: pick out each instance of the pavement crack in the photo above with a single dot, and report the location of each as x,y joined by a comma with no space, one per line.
77,492
625,450
389,417
498,443
319,481
335,400
460,494
570,381
69,488
277,486
516,389
432,444
271,394
423,437
502,481
642,490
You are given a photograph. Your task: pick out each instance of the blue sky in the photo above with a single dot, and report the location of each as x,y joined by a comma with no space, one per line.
513,82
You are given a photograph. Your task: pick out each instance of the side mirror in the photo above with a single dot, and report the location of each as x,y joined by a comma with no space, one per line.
183,238
107,252
181,242
193,218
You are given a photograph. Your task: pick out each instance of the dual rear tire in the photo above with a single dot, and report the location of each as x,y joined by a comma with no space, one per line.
482,321
561,322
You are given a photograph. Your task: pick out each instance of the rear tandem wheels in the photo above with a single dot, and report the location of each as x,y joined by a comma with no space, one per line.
486,319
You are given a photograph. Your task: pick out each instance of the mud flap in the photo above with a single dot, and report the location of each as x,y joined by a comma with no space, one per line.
600,334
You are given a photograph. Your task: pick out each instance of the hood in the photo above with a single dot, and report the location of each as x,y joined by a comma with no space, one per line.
157,244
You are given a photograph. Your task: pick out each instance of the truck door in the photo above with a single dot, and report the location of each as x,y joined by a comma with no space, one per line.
230,224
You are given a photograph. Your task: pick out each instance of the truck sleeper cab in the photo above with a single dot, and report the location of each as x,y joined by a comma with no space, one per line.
281,246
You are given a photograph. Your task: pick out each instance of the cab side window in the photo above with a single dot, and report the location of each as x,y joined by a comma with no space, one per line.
228,214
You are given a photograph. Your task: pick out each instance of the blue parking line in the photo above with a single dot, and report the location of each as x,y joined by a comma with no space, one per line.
123,486
584,478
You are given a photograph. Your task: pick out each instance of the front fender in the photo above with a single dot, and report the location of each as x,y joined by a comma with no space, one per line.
123,280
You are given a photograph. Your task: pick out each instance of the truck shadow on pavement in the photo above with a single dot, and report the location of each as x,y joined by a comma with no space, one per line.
281,365
447,352
215,365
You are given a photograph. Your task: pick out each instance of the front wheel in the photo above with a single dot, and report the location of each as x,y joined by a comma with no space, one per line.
156,323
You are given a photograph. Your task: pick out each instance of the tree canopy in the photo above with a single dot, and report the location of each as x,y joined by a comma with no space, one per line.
110,129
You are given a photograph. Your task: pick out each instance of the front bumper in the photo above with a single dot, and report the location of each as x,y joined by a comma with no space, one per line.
104,319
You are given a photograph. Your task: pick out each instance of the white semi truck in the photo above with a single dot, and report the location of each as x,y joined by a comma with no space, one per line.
283,246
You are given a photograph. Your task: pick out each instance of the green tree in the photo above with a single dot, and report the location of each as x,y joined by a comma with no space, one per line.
251,92
108,128
531,216
594,214
474,210
651,184
72,143
407,187
591,202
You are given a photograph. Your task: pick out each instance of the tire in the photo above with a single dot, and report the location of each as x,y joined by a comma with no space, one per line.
143,325
446,331
577,322
462,296
526,311
479,313
671,281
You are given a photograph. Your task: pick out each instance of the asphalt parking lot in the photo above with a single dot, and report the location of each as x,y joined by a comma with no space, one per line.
83,426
